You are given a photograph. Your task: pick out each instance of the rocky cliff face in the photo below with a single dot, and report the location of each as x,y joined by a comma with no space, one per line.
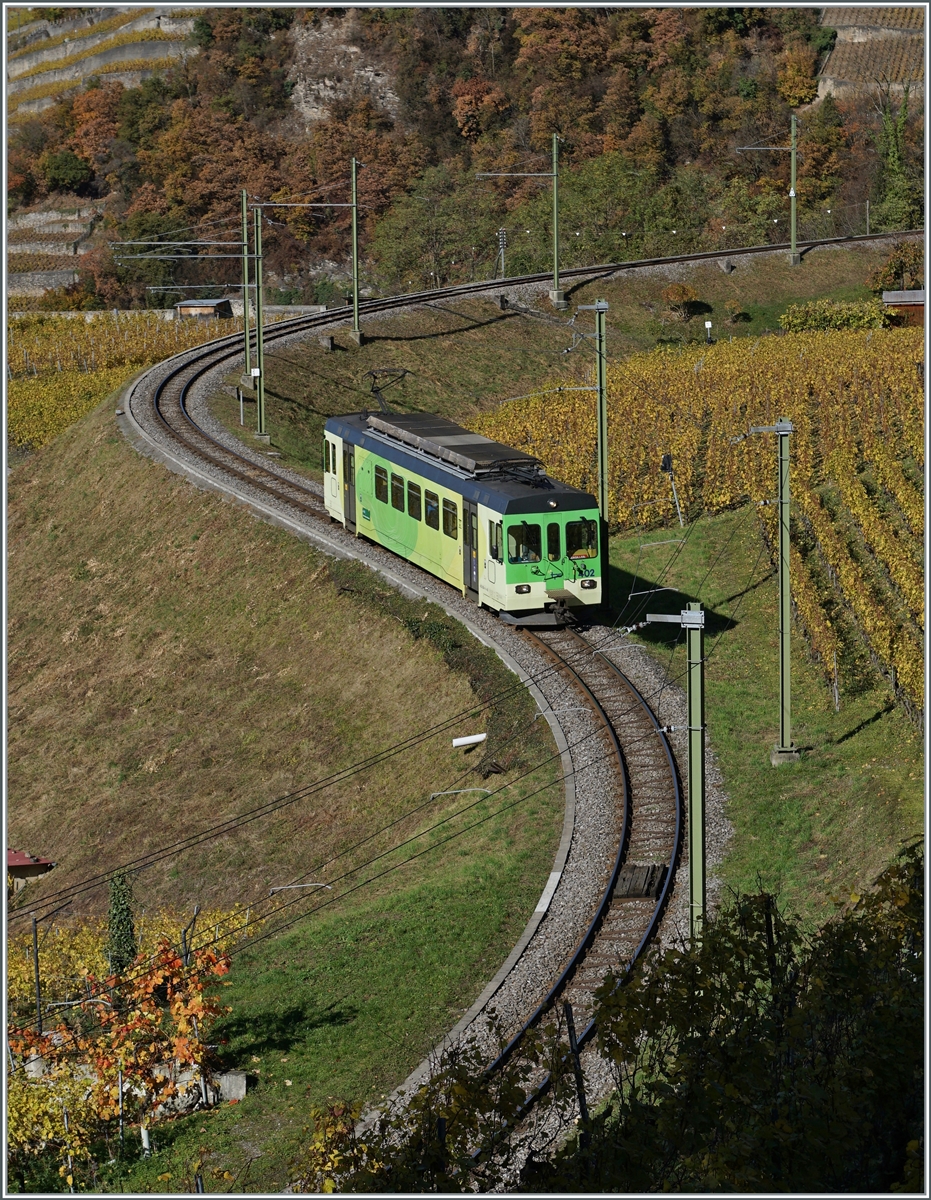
329,66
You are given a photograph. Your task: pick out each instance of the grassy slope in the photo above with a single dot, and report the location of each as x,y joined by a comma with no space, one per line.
173,661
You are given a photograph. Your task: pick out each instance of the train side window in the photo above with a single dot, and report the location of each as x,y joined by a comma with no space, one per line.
450,519
524,543
494,540
397,493
582,539
381,485
413,500
552,543
432,505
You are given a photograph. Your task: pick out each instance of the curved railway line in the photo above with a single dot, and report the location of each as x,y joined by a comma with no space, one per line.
647,800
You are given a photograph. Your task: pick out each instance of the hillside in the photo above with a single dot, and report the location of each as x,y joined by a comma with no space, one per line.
654,109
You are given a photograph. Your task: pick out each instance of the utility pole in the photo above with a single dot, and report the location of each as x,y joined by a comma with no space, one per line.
600,307
692,620
784,751
247,370
356,332
259,369
557,298
794,257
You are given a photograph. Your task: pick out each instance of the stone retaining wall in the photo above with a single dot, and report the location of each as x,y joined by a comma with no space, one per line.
179,27
78,72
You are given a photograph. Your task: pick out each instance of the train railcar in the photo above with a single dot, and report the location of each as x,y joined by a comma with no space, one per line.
480,515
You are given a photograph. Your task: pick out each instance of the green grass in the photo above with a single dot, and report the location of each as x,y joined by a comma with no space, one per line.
344,1007
827,824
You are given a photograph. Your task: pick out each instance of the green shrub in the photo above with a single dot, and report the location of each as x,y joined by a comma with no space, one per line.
64,171
834,314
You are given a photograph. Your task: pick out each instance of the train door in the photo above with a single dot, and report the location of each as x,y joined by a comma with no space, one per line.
470,546
349,486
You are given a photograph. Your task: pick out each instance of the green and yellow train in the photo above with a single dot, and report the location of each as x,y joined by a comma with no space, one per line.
484,517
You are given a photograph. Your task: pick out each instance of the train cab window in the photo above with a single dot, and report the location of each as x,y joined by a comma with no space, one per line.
582,539
524,543
397,493
432,509
495,540
381,485
413,500
552,543
333,457
326,455
450,519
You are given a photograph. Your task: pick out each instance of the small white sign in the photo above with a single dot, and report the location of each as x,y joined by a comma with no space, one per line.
707,324
256,372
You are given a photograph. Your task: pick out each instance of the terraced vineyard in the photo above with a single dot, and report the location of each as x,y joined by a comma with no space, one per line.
856,403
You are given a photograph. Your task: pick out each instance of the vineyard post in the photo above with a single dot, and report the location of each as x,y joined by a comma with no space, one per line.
692,620
245,281
784,751
259,332
35,962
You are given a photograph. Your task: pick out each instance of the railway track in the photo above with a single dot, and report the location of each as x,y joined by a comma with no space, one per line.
647,798
649,822
650,819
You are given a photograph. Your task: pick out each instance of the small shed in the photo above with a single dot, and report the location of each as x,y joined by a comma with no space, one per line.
204,308
21,867
909,306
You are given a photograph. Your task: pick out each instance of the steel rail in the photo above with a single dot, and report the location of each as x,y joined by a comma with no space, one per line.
589,936
604,905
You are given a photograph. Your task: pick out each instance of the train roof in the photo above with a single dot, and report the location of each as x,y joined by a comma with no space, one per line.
483,471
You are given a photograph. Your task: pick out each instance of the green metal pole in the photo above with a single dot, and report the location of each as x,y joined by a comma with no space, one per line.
259,347
555,213
355,253
785,747
601,377
601,307
695,637
793,252
245,277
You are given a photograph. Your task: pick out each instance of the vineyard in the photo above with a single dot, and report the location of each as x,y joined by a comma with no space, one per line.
856,403
59,368
124,1047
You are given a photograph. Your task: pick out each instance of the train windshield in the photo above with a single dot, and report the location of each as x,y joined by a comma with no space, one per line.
582,539
524,543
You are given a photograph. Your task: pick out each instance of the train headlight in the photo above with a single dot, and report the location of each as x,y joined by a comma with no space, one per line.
589,583
522,589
